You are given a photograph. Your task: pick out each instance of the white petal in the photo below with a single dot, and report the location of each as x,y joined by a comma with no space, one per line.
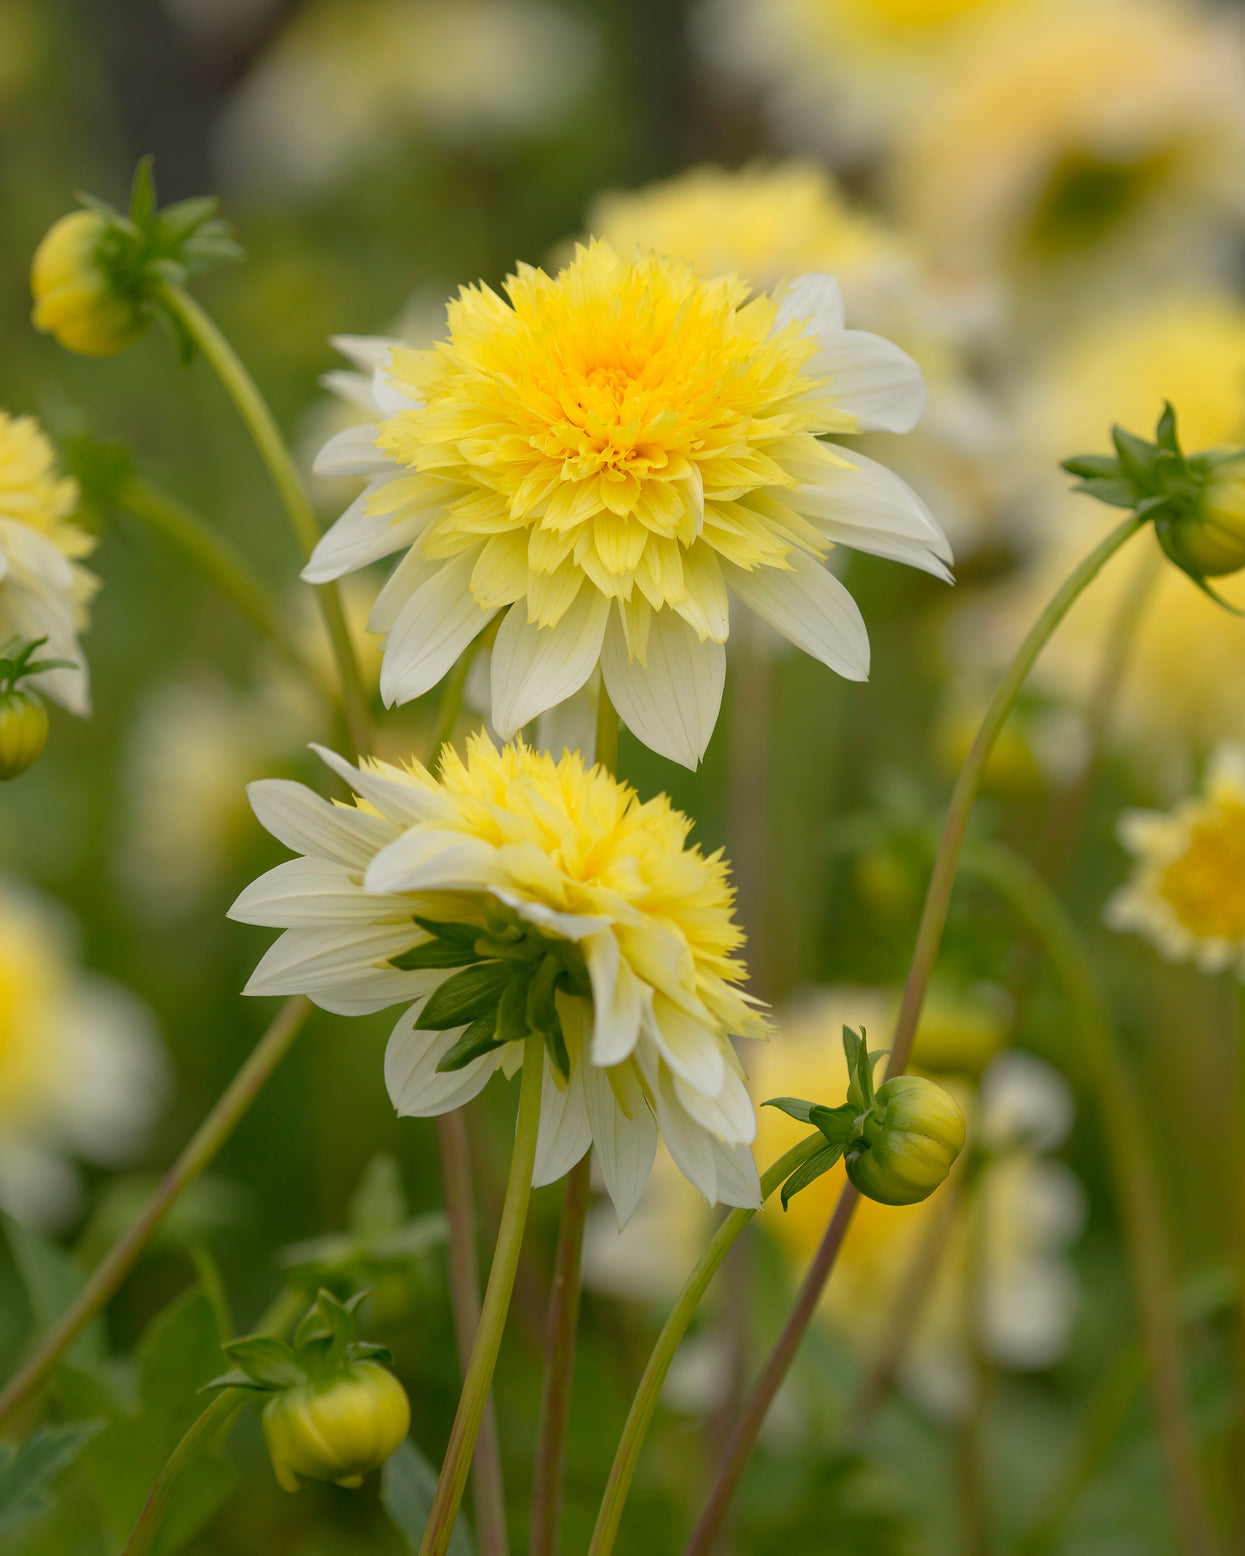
433,861
625,1145
360,536
738,1180
689,1144
535,668
872,379
354,388
353,452
571,926
672,702
811,608
309,825
687,1045
565,1132
318,961
432,629
870,509
390,400
615,1000
310,891
729,1115
816,298
367,352
411,573
416,1088
399,799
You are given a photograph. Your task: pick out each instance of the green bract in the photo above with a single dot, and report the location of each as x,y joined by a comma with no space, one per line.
898,1142
23,717
1196,501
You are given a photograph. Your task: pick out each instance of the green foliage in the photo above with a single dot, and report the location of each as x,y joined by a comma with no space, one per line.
408,1485
27,1472
324,1347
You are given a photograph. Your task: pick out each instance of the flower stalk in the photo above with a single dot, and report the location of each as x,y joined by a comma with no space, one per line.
199,1152
479,1378
921,967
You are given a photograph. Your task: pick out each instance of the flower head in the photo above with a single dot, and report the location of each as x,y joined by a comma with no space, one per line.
44,589
605,457
1187,891
520,893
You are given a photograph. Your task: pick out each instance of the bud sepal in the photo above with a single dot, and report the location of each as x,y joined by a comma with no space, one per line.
23,715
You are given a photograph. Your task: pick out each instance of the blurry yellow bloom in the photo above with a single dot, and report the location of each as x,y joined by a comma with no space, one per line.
1117,122
80,1069
337,1430
1181,684
1187,891
76,300
43,588
608,454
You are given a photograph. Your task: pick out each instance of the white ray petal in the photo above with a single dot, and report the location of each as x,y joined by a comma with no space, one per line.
317,961
738,1181
310,825
416,1087
672,702
871,509
432,629
688,1142
815,298
729,1115
571,926
433,861
310,891
810,607
626,1143
402,801
688,1046
353,452
872,379
534,668
354,388
615,999
367,352
565,1131
360,536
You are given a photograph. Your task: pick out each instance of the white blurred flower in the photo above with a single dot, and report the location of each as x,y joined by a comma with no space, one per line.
81,1069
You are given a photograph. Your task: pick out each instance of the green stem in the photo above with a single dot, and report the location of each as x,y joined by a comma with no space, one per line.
479,1379
644,1405
213,554
120,1258
607,732
920,970
1136,1189
202,1432
262,425
451,704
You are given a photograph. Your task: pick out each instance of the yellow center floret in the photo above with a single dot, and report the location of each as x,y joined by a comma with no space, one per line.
31,492
624,424
1205,886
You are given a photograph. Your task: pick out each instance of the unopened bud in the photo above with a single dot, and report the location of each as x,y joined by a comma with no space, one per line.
908,1142
23,731
1209,541
78,299
338,1429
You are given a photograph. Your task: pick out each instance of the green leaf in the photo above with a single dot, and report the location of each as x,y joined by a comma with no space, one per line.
266,1360
837,1124
1165,430
479,1038
52,1281
408,1484
467,996
812,1169
434,953
143,192
180,1348
1137,457
512,1013
859,1070
1092,466
542,1013
457,934
378,1204
27,1472
1116,494
795,1107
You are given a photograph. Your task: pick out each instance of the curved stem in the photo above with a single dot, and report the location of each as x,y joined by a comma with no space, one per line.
451,704
213,554
202,1432
1137,1191
488,1487
555,1394
479,1379
262,425
120,1258
644,1405
920,970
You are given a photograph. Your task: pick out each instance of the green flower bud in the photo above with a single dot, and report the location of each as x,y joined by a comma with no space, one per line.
909,1138
77,298
338,1429
1209,541
23,731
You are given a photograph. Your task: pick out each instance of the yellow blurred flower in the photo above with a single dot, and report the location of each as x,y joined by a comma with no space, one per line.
81,1071
1186,894
77,301
1101,124
44,589
1181,687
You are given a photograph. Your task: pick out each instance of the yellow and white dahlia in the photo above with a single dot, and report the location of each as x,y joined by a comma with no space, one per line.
555,888
606,456
1186,894
81,1070
44,589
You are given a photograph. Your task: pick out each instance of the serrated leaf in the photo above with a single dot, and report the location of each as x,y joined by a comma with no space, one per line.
810,1171
467,995
408,1484
794,1107
27,1472
435,953
266,1360
479,1038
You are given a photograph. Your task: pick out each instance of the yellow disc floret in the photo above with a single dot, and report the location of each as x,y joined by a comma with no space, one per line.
614,425
31,490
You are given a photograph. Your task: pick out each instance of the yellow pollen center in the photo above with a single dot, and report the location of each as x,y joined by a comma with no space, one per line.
1205,887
